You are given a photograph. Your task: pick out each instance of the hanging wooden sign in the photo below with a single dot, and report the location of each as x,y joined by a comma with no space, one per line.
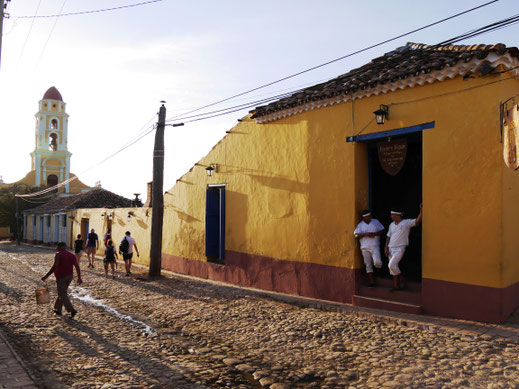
511,136
391,155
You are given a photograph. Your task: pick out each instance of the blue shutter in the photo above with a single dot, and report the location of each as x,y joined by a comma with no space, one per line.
212,225
222,224
215,223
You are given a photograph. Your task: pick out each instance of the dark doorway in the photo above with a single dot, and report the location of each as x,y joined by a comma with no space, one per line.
403,190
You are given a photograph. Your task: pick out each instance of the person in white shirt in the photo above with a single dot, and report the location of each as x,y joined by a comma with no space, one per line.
396,242
128,255
368,232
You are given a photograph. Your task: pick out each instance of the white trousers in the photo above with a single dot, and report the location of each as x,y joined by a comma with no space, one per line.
395,255
371,255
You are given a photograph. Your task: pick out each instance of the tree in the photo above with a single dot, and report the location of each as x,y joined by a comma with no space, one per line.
8,203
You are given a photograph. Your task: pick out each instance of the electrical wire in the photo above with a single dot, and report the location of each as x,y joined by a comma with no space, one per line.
50,34
228,110
470,34
88,12
29,33
141,134
341,58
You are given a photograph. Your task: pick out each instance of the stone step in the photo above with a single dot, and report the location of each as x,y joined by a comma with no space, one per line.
388,283
409,296
388,305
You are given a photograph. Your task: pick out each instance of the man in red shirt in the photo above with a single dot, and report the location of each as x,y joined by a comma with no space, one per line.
63,268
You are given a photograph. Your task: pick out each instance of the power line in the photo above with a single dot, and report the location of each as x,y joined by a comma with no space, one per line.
143,132
470,34
89,12
341,58
51,31
28,33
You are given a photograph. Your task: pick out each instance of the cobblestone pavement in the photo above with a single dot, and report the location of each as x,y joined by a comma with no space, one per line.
175,332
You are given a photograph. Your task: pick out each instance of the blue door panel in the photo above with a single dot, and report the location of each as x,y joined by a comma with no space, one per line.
215,223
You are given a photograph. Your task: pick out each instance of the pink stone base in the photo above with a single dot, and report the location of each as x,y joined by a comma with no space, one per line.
291,277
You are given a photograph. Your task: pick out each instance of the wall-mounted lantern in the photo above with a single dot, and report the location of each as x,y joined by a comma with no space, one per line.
211,169
130,214
110,216
382,114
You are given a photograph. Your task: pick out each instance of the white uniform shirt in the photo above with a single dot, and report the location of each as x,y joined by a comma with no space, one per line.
399,233
131,242
363,228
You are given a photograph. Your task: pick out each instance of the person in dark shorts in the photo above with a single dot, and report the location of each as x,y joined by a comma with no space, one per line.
63,268
78,248
110,258
92,242
128,254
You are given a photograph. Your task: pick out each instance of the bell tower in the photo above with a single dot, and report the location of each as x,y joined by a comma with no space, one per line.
51,158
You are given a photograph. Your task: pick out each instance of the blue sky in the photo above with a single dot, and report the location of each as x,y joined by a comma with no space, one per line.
114,68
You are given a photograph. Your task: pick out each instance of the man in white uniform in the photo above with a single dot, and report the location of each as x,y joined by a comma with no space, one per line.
368,232
396,242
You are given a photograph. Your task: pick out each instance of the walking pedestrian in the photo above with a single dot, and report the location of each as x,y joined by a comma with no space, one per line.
107,236
396,242
126,248
78,248
63,269
110,258
368,232
92,242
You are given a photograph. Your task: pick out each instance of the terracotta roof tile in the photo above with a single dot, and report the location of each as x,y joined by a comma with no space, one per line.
96,198
404,62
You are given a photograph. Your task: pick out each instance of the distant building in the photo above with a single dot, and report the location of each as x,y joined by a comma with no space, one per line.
50,160
61,219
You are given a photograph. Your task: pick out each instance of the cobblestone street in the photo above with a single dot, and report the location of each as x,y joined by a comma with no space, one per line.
176,332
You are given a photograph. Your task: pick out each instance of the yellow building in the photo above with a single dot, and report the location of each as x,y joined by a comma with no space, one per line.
279,211
50,160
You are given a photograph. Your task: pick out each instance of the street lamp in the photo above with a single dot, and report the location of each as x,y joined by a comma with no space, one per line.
382,114
210,169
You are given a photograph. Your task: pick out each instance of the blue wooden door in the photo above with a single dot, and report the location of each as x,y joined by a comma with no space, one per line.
215,223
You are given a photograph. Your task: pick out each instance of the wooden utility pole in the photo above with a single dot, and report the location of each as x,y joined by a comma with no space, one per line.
1,26
157,210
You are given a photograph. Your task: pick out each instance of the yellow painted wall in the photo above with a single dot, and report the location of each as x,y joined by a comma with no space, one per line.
139,226
295,186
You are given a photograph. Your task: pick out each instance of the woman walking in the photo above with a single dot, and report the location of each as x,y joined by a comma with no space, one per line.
110,256
78,248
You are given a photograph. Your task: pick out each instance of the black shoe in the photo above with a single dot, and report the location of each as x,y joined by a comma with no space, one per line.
73,313
371,285
127,274
59,313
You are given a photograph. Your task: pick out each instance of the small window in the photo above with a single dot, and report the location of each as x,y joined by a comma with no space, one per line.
54,124
34,220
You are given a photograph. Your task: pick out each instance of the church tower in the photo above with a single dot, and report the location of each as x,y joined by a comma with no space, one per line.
51,158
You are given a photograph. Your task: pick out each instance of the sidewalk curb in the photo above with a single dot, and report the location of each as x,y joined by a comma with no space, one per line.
4,339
